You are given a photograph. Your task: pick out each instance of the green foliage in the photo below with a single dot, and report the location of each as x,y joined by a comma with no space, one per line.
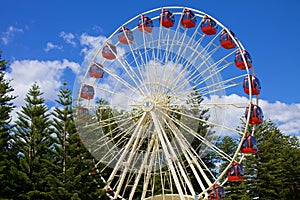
272,173
32,142
7,158
73,162
44,158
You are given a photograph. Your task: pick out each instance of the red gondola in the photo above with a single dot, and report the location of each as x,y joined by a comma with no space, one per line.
254,85
96,70
145,24
249,145
109,52
110,192
125,36
87,92
208,26
226,41
239,62
217,192
256,114
93,173
188,19
83,114
166,18
235,172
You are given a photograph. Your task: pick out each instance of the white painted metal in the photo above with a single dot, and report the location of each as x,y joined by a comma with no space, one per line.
150,82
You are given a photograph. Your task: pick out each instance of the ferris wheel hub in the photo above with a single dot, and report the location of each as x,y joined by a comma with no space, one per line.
148,105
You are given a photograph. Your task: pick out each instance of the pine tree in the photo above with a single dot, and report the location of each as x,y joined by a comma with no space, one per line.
75,178
7,162
272,173
278,164
292,168
33,141
270,169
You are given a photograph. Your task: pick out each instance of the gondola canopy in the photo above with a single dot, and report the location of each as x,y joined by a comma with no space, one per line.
216,192
96,70
188,19
226,41
254,84
208,26
167,18
125,36
249,145
256,114
83,114
109,51
145,24
236,172
239,61
87,92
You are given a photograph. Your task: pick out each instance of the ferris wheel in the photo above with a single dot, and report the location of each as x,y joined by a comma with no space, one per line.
152,101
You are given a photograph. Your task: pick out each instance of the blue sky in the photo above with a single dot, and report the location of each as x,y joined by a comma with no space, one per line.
46,41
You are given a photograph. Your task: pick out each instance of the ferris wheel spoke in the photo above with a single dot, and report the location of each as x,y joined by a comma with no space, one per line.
138,59
212,44
231,82
122,123
179,43
210,123
178,134
211,89
214,69
122,82
121,95
156,71
131,154
145,54
149,169
138,74
214,105
194,56
191,157
206,55
143,165
112,144
133,75
108,140
203,139
164,49
177,30
171,161
131,142
121,120
195,78
186,45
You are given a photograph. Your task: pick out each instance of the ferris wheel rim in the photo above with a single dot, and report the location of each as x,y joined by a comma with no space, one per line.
148,108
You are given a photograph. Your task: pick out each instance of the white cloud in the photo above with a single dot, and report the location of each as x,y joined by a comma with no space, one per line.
47,74
90,42
68,38
286,116
51,46
10,33
98,29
